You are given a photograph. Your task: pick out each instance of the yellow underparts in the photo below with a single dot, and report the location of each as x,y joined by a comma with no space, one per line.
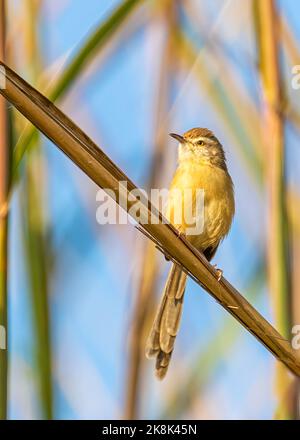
193,175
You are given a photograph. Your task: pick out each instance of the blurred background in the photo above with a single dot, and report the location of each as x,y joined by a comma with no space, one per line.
81,296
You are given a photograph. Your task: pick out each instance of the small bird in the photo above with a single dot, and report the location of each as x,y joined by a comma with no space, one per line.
201,165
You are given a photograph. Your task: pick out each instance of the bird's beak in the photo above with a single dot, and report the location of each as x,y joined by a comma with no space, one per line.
178,137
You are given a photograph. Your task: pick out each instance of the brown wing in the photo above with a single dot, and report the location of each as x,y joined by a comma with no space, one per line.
210,252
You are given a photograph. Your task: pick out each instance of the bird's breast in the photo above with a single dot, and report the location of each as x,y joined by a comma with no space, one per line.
203,192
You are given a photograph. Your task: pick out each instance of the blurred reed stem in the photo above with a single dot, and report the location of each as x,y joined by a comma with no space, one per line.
267,32
4,184
165,13
139,320
36,248
289,41
291,48
89,49
35,241
293,206
222,98
225,91
296,310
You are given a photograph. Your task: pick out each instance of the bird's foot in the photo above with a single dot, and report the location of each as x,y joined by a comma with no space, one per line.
219,272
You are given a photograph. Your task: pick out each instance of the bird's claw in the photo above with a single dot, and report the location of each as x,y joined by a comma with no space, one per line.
219,272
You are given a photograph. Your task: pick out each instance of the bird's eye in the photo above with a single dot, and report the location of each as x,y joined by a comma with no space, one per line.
200,143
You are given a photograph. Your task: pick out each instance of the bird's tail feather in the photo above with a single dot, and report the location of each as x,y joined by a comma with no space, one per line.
165,327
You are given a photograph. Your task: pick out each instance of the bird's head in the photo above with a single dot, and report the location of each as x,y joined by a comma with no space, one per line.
200,144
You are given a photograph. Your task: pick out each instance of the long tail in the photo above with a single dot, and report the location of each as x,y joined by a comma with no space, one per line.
162,336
